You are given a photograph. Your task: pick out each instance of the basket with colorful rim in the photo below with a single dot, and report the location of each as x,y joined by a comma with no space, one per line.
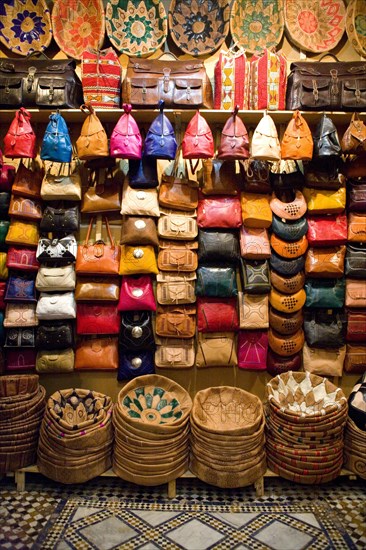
356,25
319,455
311,479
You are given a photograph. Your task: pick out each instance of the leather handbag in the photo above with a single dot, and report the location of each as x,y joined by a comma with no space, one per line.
4,227
63,187
139,202
287,303
356,197
55,361
354,138
255,276
286,323
218,247
98,258
253,311
26,208
177,191
255,176
20,288
325,330
23,233
325,201
20,338
139,231
256,211
20,360
97,354
297,141
176,321
325,173
286,345
219,212
27,182
57,251
355,293
355,262
216,350
136,331
356,325
136,294
289,231
160,142
7,174
355,166
52,279
198,142
55,335
252,349
219,177
97,289
265,144
217,314
97,319
181,83
234,143
56,220
324,362
356,231
325,262
132,365
137,260
278,365
286,267
175,288
4,204
325,293
143,173
92,142
293,249
355,361
327,230
326,140
20,315
174,256
20,140
292,210
175,353
177,226
126,140
56,306
2,294
103,194
4,273
287,285
216,281
23,259
254,243
56,144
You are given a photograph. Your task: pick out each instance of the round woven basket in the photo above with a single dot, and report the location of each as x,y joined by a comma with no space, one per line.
27,411
151,458
356,24
301,470
149,480
227,480
305,436
304,456
299,466
141,446
322,425
312,479
12,461
223,454
16,387
58,449
235,442
146,435
77,474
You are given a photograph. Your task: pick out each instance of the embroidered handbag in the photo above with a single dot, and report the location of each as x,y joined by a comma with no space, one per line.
26,208
27,182
136,331
356,231
175,257
20,337
23,259
139,231
356,325
219,212
7,174
136,294
232,76
97,319
255,276
326,141
325,330
177,227
176,321
175,288
289,231
101,77
97,354
56,144
175,353
253,311
136,260
297,141
198,140
97,289
103,194
324,201
325,293
132,365
216,349
355,293
57,251
217,314
61,187
55,335
252,349
56,306
98,258
160,141
20,288
126,140
256,211
20,315
177,191
234,143
219,177
218,247
60,220
52,279
324,362
327,230
216,282
92,142
143,173
325,262
265,144
355,262
254,243
22,233
139,202
55,361
20,140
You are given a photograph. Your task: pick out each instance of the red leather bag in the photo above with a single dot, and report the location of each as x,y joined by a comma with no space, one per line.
22,258
97,319
2,294
217,315
20,141
327,230
252,349
21,359
356,325
234,144
198,140
136,294
7,175
219,212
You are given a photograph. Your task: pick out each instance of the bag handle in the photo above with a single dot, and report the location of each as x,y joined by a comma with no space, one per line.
330,55
91,223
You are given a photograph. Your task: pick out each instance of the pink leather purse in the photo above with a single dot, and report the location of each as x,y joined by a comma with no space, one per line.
136,294
126,140
252,349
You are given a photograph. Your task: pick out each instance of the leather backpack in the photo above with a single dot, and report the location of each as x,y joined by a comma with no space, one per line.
160,142
20,140
56,144
265,144
126,140
234,144
198,140
297,142
92,142
326,141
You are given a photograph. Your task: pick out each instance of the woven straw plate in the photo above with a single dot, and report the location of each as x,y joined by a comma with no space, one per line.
199,27
257,24
136,28
356,25
315,25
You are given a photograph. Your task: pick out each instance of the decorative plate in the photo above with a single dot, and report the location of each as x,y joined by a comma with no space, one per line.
78,25
136,28
152,405
199,27
356,25
315,25
257,24
25,25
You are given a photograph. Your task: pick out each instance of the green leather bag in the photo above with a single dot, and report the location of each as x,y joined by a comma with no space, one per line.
4,204
287,230
218,282
4,226
325,293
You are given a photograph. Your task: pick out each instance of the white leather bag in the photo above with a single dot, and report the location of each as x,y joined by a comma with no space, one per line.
139,202
265,143
56,306
59,279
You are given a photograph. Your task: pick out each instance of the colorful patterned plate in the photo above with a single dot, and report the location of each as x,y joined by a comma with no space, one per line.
25,25
152,405
136,28
78,25
356,25
199,27
315,25
257,24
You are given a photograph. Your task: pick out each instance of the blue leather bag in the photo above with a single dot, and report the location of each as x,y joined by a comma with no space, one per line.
56,144
143,173
20,288
160,141
132,364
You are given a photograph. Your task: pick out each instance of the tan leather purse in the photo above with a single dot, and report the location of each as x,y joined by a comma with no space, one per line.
288,303
27,208
285,323
55,361
286,345
92,142
139,202
356,227
297,141
219,177
255,209
175,288
287,285
293,210
56,278
103,194
177,190
254,243
253,311
177,258
354,138
174,353
355,293
61,187
177,227
327,263
176,321
216,349
324,362
355,362
286,249
97,289
139,231
97,354
20,315
265,144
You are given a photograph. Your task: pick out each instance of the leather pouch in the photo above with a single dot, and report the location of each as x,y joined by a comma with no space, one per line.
327,230
20,338
216,350
136,294
139,202
20,315
136,260
136,331
252,349
103,194
253,311
66,220
355,263
216,282
97,354
61,187
278,365
57,251
92,142
325,201
175,258
56,306
97,319
287,303
254,243
355,293
219,177
20,360
286,267
175,353
134,364
217,315
324,362
52,279
55,361
355,361
175,288
23,233
256,211
97,289
139,231
218,247
285,323
292,210
20,288
325,293
286,345
325,263
289,231
27,182
289,250
177,227
22,259
325,330
287,285
176,321
219,212
234,143
356,325
356,227
55,335
255,276
297,141
26,208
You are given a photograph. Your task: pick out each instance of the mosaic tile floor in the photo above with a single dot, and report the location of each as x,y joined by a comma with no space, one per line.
106,514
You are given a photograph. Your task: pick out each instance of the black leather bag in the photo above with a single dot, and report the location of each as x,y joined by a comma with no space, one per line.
216,281
325,330
136,331
324,173
217,247
60,220
289,231
325,138
286,267
255,276
19,337
355,261
255,175
55,336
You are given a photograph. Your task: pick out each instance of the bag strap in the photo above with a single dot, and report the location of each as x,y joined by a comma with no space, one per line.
330,55
91,223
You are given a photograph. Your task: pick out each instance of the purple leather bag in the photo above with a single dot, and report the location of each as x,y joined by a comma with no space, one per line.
126,140
7,175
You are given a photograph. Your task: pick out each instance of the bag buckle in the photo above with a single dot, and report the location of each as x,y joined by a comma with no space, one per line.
166,78
334,86
51,93
30,78
315,91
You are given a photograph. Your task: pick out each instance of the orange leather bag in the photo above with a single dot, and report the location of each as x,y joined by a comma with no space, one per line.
297,142
92,142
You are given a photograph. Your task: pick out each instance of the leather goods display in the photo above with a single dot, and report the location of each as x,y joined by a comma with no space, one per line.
252,349
139,202
23,233
60,220
265,144
57,251
173,257
218,247
137,260
292,210
354,138
327,230
181,83
20,360
219,212
255,276
139,231
66,187
286,345
20,338
4,204
356,325
97,319
4,273
97,354
39,82
20,288
325,330
333,86
97,289
143,174
216,282
287,285
355,361
92,142
325,201
297,141
289,230
356,197
325,362
256,211
177,191
55,335
216,350
287,303
26,208
7,174
325,262
326,140
254,243
234,142
175,288
136,331
98,258
286,249
176,321
355,262
219,177
277,364
217,314
356,231
198,142
253,311
27,182
177,227
136,294
255,176
325,293
103,194
23,259
286,267
20,315
56,144
175,353
133,364
126,140
56,306
286,323
355,293
55,361
20,140
160,142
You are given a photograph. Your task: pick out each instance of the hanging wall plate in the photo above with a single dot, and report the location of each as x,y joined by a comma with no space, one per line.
356,25
136,28
25,25
199,27
78,25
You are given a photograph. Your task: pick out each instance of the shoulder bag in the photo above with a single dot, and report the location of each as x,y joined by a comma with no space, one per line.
97,289
219,212
26,208
176,321
356,227
175,288
255,176
174,256
355,293
20,315
355,361
198,140
57,251
136,294
234,143
160,142
92,142
55,361
327,230
286,323
20,288
287,285
297,141
60,279
324,362
23,233
216,350
286,249
56,144
139,231
256,211
23,259
324,330
287,230
177,226
175,353
98,258
27,182
137,260
287,303
286,345
56,306
252,349
136,331
97,319
255,276
97,354
139,202
55,335
65,187
103,194
265,144
325,201
356,325
219,177
60,220
355,262
133,364
325,293
218,247
177,191
126,140
20,140
254,243
217,314
19,337
325,263
216,281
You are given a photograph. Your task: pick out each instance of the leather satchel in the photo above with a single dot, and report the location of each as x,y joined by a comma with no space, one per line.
286,345
216,349
354,139
355,293
103,194
356,227
234,143
356,197
355,361
55,335
198,142
20,315
355,262
97,319
297,141
65,187
175,288
252,349
219,177
27,182
177,191
97,289
325,293
92,142
23,259
177,258
175,353
254,243
57,251
136,294
324,362
325,262
356,325
26,208
216,281
325,201
139,202
134,364
325,330
98,258
218,247
20,288
20,140
177,226
219,212
55,361
255,276
293,249
56,306
286,323
289,231
256,211
253,311
176,321
136,331
56,220
139,231
20,338
136,260
97,354
327,230
326,140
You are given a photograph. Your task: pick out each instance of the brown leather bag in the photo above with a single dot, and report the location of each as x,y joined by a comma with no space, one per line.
219,177
177,191
97,289
355,293
139,231
287,249
176,321
297,142
325,263
103,194
27,208
92,142
277,364
355,362
287,285
177,258
97,354
285,323
354,138
98,258
287,303
234,144
286,345
356,231
27,182
175,288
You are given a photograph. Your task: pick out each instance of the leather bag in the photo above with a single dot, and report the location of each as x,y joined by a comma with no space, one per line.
324,362
289,231
52,279
216,350
327,230
136,331
325,262
325,201
292,210
143,173
219,177
65,187
27,182
252,349
20,288
134,364
355,262
20,140
175,288
60,220
55,361
256,211
356,197
26,208
136,260
356,325
198,142
278,365
216,282
287,303
287,285
97,289
217,314
326,140
58,335
139,231
286,267
56,306
355,361
97,319
160,142
175,353
4,227
293,249
219,212
4,204
286,323
255,176
234,143
354,139
356,231
286,345
176,321
23,233
325,330
20,360
297,141
325,293
136,294
57,251
254,243
103,194
139,202
23,259
218,247
98,258
56,144
20,338
325,173
92,142
20,315
97,354
4,273
7,174
355,293
255,276
177,191
177,226
265,144
126,140
175,257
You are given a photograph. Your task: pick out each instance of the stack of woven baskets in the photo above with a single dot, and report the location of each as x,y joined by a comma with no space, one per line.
151,421
22,402
305,420
76,436
355,433
227,437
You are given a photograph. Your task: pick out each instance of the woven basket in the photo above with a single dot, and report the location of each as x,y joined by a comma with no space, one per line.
150,446
227,480
355,464
149,480
304,456
12,461
145,435
312,479
20,386
77,474
355,25
141,451
301,470
299,466
222,454
28,411
235,442
330,422
151,458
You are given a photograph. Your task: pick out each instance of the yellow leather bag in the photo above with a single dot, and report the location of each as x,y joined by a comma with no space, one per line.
137,259
22,233
255,210
3,269
325,201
